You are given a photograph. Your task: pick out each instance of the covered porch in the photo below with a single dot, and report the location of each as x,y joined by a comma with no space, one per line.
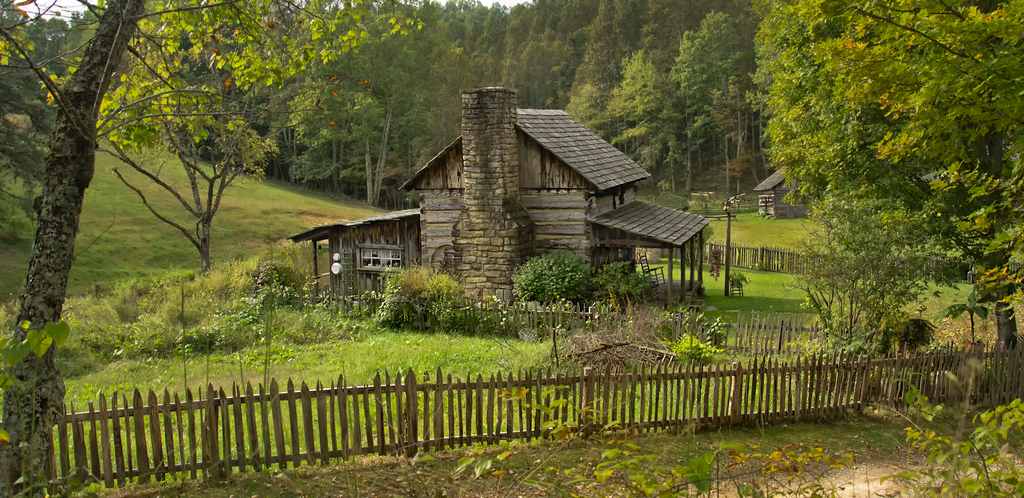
677,233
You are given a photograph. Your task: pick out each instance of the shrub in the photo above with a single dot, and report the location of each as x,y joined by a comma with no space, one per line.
421,298
906,335
691,348
738,280
553,277
620,282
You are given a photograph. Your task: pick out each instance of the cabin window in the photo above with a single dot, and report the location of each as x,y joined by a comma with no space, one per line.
379,258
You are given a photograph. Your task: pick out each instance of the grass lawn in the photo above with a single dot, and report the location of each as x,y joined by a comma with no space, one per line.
120,238
566,468
358,359
766,291
751,229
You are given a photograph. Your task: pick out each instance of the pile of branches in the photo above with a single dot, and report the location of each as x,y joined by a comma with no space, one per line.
616,344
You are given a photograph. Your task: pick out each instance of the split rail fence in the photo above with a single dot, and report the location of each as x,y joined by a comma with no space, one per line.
145,437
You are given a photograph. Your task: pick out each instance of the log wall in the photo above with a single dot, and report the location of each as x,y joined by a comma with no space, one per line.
439,211
559,220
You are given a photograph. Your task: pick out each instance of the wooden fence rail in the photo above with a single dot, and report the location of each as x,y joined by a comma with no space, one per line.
154,436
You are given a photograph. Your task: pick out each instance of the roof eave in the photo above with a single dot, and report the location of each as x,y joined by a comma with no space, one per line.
408,183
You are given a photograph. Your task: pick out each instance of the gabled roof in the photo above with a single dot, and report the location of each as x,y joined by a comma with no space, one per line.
423,169
596,160
653,222
772,181
599,162
320,232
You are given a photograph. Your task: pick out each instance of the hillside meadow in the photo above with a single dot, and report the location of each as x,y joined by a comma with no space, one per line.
119,238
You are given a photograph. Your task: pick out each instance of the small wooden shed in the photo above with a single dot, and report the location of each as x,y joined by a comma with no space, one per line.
364,250
772,199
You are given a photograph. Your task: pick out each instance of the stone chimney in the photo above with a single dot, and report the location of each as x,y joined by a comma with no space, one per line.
493,233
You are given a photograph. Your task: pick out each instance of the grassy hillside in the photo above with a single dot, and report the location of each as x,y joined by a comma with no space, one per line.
120,238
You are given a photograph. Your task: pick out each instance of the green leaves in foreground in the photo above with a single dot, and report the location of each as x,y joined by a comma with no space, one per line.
36,341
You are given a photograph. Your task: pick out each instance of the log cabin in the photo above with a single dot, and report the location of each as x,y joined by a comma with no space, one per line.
514,184
771,200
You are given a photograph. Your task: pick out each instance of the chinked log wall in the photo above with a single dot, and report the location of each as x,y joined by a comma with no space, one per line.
141,438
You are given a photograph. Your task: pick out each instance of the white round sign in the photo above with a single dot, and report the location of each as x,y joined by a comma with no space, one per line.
336,268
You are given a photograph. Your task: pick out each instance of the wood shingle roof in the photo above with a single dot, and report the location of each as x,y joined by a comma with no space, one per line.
772,181
321,232
598,161
653,222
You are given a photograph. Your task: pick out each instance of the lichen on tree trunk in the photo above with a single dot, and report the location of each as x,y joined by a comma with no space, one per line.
35,400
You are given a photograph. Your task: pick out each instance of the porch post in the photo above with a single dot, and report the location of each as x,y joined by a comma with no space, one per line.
683,291
693,256
316,266
668,289
700,258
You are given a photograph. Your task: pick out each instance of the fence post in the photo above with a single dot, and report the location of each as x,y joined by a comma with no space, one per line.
586,400
412,443
736,395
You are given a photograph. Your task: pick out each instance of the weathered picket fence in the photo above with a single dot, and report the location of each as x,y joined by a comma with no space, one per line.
771,259
768,332
155,437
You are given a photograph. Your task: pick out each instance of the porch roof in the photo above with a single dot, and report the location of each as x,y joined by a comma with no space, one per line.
323,231
662,224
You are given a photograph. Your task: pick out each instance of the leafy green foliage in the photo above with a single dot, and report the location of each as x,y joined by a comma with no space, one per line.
419,298
869,265
552,277
908,103
906,335
983,462
737,280
693,349
37,341
621,283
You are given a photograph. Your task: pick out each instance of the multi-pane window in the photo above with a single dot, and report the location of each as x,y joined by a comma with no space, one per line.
375,257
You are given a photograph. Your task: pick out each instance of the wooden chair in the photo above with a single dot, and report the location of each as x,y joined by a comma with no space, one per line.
655,275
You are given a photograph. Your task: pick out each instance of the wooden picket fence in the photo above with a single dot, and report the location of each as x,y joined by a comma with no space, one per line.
771,259
144,437
772,333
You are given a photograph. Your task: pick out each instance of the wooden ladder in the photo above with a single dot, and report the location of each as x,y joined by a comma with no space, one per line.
655,275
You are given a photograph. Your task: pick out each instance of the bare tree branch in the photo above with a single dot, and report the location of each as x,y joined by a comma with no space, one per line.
159,216
121,154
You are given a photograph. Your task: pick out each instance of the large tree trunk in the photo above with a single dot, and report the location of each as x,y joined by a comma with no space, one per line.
33,403
1006,324
992,151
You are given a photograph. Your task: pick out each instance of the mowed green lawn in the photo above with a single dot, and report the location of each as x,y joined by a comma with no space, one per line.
751,229
120,238
358,359
780,293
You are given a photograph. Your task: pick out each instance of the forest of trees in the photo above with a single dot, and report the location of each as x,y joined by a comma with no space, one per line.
668,81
